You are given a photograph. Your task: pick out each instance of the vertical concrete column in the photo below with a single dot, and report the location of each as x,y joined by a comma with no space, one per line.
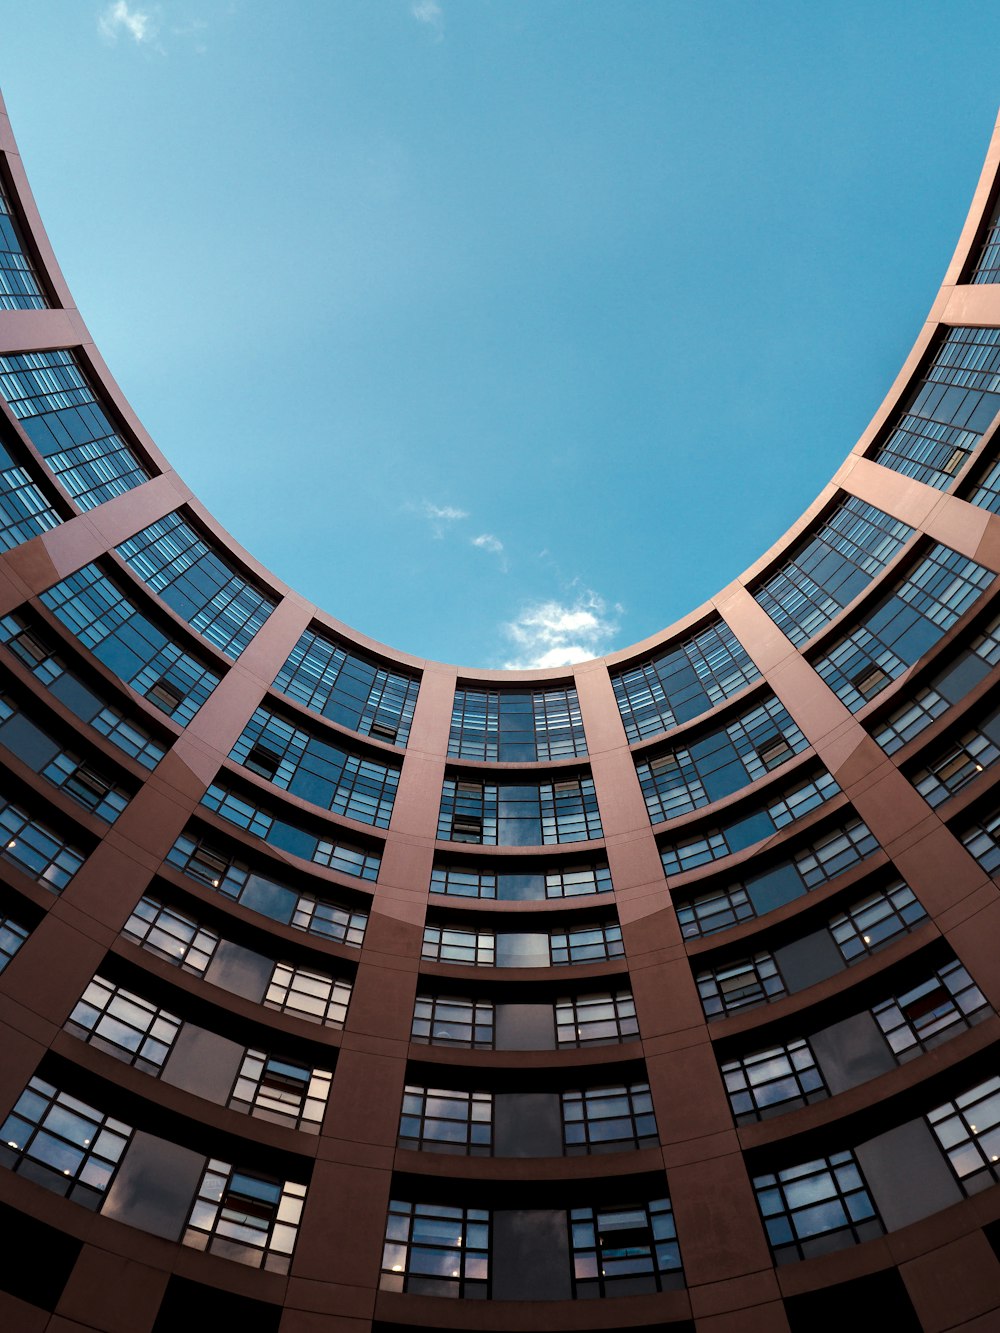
726,1258
336,1267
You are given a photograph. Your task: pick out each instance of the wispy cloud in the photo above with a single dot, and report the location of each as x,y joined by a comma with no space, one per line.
439,516
430,13
493,546
552,634
118,19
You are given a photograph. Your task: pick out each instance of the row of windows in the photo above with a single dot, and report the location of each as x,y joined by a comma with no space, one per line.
269,897
902,627
822,1205
743,831
56,407
479,1124
860,930
178,564
813,864
720,763
982,840
24,510
438,1250
317,770
958,761
245,813
522,886
30,646
80,779
351,691
12,936
70,1147
958,397
573,1021
945,689
988,265
305,993
19,287
36,849
779,1078
145,1035
683,682
516,726
519,814
95,610
510,948
986,493
828,569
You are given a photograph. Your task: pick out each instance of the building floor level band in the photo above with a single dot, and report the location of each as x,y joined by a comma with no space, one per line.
344,990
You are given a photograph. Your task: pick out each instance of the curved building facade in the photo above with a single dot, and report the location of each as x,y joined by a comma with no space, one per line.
346,990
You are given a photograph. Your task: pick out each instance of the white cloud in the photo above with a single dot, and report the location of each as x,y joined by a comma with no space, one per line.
429,12
118,18
487,542
447,512
439,516
552,634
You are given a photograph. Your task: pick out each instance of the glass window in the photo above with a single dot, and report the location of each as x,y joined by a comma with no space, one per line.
445,1120
317,770
519,814
959,761
621,1251
730,988
988,265
683,682
819,1206
78,778
63,1143
234,879
433,1250
243,1216
954,403
348,689
903,626
772,1081
310,995
474,948
449,1020
719,763
196,582
171,935
876,921
982,841
586,944
813,864
12,936
596,1020
526,886
986,492
246,813
96,611
125,1025
933,1011
19,286
749,826
613,1119
52,400
828,569
30,646
35,849
286,1092
968,1129
24,510
516,726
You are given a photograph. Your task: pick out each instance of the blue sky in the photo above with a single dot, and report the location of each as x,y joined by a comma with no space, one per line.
508,331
